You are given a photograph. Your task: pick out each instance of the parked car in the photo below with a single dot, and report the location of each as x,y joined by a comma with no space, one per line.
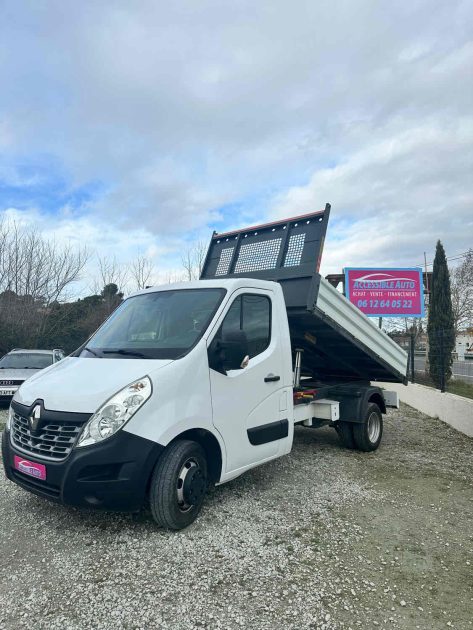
18,365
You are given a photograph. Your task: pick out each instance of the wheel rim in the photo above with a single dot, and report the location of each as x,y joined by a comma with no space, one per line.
374,427
191,485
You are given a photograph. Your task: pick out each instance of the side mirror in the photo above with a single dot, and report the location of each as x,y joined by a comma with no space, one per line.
235,347
228,352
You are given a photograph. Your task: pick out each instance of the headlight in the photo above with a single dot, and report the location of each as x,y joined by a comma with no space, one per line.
10,417
113,414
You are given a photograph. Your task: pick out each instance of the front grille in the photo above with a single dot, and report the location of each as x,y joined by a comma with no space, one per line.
53,441
6,383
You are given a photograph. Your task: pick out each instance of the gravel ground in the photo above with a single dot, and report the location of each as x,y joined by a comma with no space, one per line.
324,538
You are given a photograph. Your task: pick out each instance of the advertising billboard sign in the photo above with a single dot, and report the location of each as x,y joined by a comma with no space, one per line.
394,292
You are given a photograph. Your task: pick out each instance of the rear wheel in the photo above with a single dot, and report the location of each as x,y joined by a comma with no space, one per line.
345,433
368,435
178,485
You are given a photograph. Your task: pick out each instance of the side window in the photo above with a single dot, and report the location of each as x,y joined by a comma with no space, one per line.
232,321
251,314
256,322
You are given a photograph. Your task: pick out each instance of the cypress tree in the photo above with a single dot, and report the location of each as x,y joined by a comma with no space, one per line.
440,327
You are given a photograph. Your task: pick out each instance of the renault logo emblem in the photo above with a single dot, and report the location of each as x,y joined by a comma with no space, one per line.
34,419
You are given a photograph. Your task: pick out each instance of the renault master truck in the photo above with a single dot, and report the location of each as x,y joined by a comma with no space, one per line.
192,384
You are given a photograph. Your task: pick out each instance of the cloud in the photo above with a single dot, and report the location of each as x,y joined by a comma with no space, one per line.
103,241
159,122
395,197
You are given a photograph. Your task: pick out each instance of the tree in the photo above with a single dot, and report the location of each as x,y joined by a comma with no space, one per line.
462,292
69,324
34,274
141,272
110,271
193,260
440,327
111,297
33,265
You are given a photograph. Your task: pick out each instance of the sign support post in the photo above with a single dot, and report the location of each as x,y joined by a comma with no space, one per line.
411,355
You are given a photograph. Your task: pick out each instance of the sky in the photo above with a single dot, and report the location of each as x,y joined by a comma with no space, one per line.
138,128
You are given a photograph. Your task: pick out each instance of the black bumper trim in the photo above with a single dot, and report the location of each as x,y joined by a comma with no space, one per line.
112,475
268,432
33,485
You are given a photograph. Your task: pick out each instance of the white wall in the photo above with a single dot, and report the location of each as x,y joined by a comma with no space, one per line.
456,411
463,343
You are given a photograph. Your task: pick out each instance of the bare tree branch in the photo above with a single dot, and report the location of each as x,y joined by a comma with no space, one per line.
34,273
461,279
193,259
141,272
110,272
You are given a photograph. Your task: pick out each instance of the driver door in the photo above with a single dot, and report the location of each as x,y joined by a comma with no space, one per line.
246,401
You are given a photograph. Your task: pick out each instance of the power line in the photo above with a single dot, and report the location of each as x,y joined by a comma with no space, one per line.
456,257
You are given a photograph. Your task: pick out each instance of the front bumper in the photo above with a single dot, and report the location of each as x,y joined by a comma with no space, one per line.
112,475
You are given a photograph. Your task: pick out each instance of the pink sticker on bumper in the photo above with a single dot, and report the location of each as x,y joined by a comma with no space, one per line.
30,468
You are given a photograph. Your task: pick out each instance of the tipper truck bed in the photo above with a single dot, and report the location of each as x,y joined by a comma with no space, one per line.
339,342
192,384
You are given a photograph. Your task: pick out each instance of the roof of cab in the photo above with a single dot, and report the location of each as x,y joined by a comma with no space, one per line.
231,284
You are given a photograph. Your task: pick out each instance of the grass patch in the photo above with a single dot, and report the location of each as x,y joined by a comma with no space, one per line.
454,386
460,388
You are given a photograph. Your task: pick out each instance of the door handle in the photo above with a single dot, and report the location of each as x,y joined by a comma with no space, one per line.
271,378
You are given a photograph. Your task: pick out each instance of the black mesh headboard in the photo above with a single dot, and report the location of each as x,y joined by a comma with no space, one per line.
286,251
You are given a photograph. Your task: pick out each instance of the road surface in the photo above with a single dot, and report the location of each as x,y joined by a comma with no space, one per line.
462,370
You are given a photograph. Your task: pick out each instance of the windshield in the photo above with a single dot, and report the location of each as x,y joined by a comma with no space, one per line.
160,325
26,360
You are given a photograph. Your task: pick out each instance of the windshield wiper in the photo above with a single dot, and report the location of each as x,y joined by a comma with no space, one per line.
130,353
92,352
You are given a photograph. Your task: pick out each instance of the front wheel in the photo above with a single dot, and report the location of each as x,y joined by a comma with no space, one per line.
178,485
368,435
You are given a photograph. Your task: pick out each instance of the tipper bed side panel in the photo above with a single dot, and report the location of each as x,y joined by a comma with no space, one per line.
340,343
331,355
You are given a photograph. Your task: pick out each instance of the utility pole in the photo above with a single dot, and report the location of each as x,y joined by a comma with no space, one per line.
426,274
412,349
426,303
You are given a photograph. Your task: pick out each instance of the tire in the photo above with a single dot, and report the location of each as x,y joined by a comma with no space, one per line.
178,485
345,433
368,434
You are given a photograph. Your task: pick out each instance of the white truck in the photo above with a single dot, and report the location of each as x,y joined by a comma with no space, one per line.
192,384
